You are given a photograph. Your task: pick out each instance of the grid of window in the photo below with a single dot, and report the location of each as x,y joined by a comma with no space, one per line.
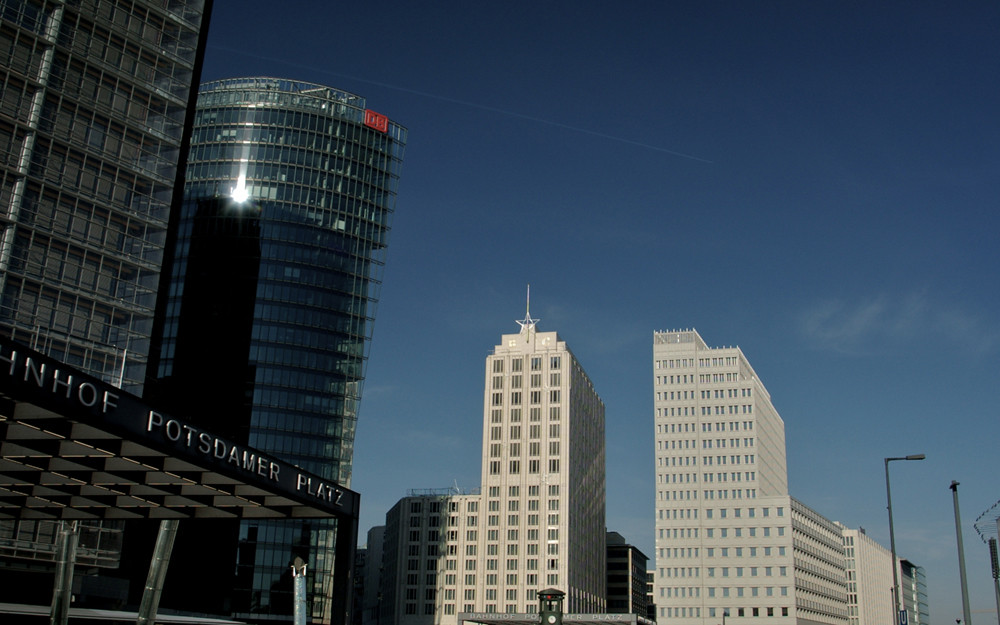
537,394
723,532
89,144
92,103
321,188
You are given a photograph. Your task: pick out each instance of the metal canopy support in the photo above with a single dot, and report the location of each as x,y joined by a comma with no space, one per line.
157,572
299,590
62,591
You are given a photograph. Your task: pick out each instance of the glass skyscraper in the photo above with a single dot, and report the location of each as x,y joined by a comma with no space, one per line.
276,274
92,117
94,99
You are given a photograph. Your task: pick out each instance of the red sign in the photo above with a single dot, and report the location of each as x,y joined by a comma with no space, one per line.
377,121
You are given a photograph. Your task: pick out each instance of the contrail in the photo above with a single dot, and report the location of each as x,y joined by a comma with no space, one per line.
482,107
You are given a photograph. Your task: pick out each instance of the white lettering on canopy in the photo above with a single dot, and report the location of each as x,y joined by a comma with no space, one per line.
206,443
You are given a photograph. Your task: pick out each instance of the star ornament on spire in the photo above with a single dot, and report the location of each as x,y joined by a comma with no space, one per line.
528,325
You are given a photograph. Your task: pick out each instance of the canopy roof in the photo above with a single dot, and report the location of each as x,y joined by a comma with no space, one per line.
73,447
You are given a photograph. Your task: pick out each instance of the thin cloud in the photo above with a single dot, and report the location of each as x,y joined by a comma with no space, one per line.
427,439
841,325
867,324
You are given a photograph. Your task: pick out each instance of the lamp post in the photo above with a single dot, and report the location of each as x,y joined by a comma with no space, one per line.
961,556
892,536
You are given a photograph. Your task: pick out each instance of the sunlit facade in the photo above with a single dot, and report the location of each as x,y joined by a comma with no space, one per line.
869,579
730,541
543,476
296,183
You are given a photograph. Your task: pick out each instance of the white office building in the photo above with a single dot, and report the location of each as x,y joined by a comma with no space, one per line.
730,541
539,519
869,579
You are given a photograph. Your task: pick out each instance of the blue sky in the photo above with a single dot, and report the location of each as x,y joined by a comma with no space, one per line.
816,182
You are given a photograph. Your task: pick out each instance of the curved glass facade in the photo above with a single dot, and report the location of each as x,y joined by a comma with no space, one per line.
320,175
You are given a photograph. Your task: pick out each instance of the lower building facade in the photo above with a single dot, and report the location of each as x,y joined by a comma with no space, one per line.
869,579
367,612
627,579
820,567
913,593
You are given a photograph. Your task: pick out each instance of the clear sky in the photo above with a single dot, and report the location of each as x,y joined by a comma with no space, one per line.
816,182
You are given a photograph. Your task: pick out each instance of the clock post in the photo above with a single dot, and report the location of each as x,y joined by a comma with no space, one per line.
550,606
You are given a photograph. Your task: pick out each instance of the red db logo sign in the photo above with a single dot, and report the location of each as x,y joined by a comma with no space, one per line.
377,121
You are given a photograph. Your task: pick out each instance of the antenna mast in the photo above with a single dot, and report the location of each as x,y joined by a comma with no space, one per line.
528,325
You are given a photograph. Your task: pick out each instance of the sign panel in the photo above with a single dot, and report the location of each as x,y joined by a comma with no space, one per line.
376,120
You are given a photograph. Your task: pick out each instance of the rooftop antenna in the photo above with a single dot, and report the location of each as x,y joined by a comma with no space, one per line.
528,325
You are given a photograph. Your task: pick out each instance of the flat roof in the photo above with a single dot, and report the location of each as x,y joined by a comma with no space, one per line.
73,447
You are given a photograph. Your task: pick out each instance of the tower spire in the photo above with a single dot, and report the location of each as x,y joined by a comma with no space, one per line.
528,325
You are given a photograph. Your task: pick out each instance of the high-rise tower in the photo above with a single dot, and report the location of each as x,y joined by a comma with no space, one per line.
538,520
276,272
543,471
93,112
730,541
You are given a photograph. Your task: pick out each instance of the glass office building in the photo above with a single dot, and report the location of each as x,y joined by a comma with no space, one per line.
290,190
92,118
94,99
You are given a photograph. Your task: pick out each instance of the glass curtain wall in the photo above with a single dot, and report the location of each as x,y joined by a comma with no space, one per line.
94,96
92,115
316,175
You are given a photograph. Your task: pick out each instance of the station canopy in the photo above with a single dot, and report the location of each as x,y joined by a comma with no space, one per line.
73,447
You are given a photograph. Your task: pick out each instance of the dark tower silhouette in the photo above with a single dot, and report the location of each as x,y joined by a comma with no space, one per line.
212,378
211,384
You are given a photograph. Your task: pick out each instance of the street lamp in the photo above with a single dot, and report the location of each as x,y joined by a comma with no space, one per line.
961,556
892,537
